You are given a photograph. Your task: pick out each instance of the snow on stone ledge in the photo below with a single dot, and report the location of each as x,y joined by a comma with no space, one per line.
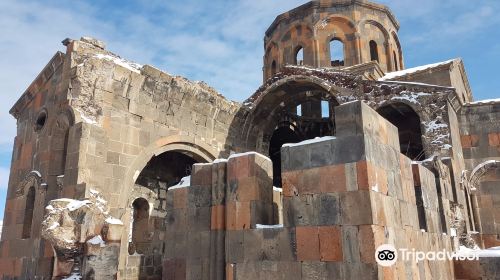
311,141
393,75
493,252
72,203
486,101
259,226
184,183
132,66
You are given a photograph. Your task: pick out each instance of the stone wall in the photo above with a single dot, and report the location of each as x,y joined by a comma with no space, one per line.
342,198
480,130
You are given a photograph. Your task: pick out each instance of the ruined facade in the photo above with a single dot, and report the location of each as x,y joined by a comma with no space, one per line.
122,170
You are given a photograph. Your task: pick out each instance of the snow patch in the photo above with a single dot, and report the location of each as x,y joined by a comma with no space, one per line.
184,183
411,97
37,173
86,118
392,75
311,141
132,66
259,226
114,221
97,240
74,276
434,125
276,189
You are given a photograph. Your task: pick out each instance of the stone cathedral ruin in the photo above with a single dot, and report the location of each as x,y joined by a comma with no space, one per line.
122,171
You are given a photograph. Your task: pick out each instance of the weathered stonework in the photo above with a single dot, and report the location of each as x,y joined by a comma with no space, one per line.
406,158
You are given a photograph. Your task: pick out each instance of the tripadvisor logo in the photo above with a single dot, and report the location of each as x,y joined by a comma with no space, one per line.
387,255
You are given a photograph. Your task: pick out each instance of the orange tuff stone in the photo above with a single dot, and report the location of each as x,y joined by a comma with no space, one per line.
308,244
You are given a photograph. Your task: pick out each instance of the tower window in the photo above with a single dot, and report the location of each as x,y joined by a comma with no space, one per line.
299,56
273,68
374,51
337,56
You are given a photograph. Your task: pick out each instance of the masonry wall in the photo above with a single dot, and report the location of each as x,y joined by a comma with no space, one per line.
480,130
342,198
43,122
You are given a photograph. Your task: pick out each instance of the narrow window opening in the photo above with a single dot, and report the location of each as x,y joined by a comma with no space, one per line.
299,110
325,109
396,68
273,68
28,213
374,51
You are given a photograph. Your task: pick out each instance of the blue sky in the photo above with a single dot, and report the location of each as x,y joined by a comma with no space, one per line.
220,41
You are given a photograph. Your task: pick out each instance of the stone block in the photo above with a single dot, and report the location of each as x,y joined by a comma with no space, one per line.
330,244
299,211
199,196
328,209
218,217
201,175
314,270
356,208
350,245
235,249
308,244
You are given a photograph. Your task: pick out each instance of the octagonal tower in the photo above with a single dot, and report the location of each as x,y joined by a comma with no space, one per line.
333,33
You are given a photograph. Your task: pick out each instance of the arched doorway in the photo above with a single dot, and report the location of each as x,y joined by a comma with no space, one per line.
148,213
408,123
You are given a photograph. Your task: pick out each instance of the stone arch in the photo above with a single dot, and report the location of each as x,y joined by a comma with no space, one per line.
285,94
336,27
480,170
272,57
399,50
177,143
32,190
298,35
59,141
383,43
409,124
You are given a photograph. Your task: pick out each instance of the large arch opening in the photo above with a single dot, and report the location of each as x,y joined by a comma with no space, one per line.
337,55
408,123
292,112
282,135
148,216
28,213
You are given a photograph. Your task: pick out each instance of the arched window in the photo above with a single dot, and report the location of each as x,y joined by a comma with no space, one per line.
325,109
337,56
299,56
140,227
396,68
374,51
273,68
28,213
408,123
